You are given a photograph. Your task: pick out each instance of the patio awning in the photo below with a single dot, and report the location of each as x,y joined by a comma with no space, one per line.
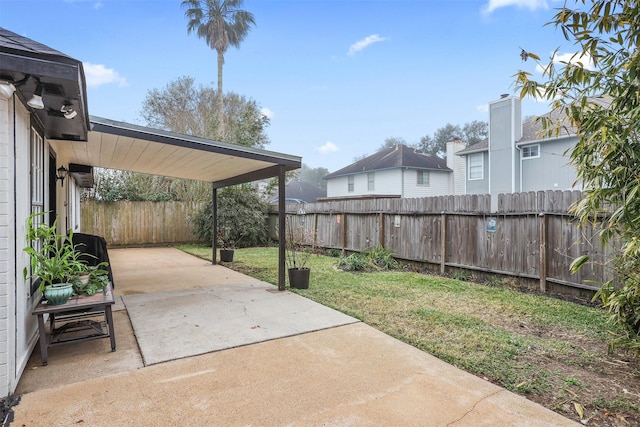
124,146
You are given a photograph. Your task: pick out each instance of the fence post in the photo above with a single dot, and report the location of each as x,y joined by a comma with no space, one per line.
542,269
381,229
443,241
344,232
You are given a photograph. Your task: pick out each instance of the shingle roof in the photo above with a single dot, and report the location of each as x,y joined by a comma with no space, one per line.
532,128
395,157
475,148
12,42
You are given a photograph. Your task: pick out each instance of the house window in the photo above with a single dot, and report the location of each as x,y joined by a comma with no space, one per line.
371,181
531,151
350,180
476,166
423,178
37,173
36,154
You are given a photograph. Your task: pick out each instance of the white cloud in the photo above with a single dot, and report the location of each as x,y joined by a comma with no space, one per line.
98,75
571,58
365,42
530,4
267,113
328,147
96,5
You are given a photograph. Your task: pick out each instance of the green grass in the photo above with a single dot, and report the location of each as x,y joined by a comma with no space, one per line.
531,344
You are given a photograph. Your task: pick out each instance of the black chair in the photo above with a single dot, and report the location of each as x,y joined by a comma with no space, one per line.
96,247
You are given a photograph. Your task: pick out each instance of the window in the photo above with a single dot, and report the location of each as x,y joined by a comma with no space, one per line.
476,166
531,151
350,183
371,181
37,186
423,178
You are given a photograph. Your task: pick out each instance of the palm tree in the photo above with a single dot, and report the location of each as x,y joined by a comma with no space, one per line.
221,23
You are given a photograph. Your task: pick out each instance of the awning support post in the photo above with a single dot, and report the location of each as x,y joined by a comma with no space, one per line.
281,230
214,225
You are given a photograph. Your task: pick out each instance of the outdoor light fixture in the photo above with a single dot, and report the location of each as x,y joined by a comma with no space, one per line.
6,89
36,99
68,112
61,173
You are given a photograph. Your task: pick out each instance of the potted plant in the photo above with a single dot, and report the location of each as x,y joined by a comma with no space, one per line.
97,278
227,246
297,256
53,259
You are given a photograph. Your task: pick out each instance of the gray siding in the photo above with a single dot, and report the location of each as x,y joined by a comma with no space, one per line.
550,171
479,186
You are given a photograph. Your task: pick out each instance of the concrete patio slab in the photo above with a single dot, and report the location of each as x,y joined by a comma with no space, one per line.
177,324
352,375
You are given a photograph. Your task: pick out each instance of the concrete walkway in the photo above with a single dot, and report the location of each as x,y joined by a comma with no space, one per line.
348,375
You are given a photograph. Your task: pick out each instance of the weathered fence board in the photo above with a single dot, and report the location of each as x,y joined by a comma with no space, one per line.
534,233
139,223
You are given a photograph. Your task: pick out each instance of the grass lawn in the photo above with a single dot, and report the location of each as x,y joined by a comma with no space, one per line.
552,351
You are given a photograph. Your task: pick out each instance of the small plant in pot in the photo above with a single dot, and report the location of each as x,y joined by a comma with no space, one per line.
298,253
53,259
97,278
227,246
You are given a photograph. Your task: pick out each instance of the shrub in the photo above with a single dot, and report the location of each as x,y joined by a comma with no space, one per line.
374,259
242,214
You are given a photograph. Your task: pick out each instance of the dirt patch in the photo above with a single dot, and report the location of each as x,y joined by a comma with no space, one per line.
586,383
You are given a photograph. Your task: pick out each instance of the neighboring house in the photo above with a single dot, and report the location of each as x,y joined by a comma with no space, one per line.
298,191
399,171
516,158
48,147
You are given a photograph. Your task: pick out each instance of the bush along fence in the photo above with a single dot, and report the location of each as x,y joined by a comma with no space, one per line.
141,223
532,236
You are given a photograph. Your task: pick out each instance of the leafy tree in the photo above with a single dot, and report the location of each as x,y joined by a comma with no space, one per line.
475,131
242,214
184,108
391,142
314,175
221,23
437,145
597,93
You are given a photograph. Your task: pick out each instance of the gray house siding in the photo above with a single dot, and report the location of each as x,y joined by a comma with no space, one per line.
551,170
505,129
479,186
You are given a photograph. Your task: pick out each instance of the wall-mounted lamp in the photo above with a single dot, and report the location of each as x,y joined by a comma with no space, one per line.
36,99
68,112
61,173
6,89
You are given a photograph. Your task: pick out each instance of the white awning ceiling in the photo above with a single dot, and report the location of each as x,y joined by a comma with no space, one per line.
123,146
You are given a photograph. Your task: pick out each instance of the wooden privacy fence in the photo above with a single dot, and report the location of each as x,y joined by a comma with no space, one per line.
139,223
531,236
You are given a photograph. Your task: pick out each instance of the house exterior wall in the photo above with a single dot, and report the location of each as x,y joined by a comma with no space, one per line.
7,243
401,182
478,186
505,128
458,165
25,331
386,182
17,326
551,170
440,184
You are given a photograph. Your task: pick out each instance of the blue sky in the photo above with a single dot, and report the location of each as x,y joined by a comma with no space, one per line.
336,77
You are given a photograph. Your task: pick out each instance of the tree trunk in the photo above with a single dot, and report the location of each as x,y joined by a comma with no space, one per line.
221,124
